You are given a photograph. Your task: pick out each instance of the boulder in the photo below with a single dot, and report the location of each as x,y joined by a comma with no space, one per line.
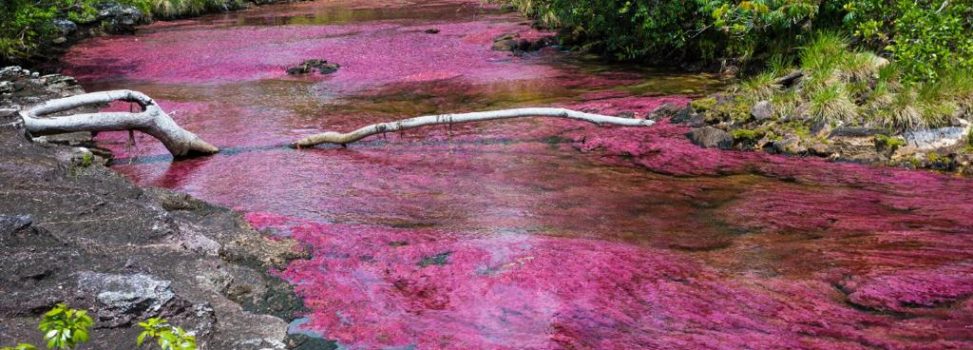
126,296
118,18
761,111
925,140
710,137
790,144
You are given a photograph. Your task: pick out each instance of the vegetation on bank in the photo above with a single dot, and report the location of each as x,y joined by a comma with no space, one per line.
839,86
894,65
26,26
65,328
922,36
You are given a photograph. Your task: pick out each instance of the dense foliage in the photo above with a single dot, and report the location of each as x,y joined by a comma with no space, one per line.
841,87
925,36
27,25
167,336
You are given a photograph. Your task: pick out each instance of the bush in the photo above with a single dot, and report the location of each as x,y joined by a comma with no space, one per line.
925,36
67,328
167,336
27,25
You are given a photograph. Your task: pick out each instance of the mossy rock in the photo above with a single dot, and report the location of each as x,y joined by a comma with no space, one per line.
703,104
747,137
885,143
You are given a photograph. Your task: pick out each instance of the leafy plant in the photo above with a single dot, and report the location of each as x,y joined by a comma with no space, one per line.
167,336
64,327
21,346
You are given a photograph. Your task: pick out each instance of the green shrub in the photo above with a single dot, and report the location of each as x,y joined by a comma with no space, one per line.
167,336
65,328
21,346
888,143
703,104
925,36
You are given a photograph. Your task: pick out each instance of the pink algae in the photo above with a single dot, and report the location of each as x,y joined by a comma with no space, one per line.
377,287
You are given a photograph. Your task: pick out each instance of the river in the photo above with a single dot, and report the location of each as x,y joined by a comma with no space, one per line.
530,234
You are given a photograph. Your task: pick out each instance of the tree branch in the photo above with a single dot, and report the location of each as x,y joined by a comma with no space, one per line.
412,123
151,120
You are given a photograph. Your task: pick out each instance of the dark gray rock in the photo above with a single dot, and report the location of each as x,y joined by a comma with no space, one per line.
118,18
855,132
135,294
308,66
710,137
13,223
66,27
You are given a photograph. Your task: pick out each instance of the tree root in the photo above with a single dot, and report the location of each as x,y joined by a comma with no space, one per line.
412,123
151,120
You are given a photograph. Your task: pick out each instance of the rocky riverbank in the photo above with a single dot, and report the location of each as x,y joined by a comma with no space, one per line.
73,231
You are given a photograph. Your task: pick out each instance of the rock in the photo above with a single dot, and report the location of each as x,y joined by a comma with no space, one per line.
14,223
791,144
66,27
821,129
432,31
924,140
790,79
59,40
505,45
710,137
668,110
763,110
512,42
10,72
855,132
322,66
135,294
118,18
820,149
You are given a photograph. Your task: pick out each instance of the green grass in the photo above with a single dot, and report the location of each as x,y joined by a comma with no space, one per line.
844,87
831,104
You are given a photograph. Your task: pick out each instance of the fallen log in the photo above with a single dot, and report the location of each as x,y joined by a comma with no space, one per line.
151,120
333,137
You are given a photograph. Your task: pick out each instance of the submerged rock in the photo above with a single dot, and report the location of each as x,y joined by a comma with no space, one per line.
322,66
513,42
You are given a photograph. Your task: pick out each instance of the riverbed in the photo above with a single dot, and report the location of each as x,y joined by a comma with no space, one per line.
535,233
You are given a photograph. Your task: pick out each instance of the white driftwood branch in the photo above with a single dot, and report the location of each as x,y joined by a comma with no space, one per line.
412,123
151,120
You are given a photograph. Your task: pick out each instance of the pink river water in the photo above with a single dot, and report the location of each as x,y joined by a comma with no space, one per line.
531,234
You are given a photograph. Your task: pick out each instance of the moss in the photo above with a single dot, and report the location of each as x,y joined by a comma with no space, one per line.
889,143
747,136
736,109
703,104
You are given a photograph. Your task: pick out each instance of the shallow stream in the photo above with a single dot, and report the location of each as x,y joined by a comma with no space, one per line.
531,234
